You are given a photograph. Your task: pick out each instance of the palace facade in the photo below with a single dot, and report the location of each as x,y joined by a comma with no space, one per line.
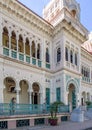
44,59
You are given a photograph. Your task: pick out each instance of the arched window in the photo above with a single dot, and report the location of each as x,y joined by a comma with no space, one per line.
47,55
5,37
58,55
76,59
84,72
66,54
71,56
13,41
38,51
73,13
27,47
33,49
20,44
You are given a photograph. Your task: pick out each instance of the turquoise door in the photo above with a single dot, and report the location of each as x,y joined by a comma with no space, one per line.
73,99
58,94
47,96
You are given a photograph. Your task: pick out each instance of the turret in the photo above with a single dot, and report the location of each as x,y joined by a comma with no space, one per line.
54,10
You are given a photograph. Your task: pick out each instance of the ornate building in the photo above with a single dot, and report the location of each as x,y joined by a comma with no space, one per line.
44,60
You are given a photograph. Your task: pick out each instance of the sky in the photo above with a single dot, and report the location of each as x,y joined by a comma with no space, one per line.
85,5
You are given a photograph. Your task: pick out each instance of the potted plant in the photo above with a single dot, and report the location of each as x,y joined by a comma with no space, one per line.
53,112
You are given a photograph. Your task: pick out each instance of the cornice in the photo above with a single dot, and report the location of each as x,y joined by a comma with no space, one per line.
66,26
85,54
17,10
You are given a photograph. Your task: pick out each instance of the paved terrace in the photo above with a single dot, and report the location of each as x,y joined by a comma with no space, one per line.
68,125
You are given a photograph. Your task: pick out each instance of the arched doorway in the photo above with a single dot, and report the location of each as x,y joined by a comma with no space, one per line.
24,97
9,91
35,94
72,96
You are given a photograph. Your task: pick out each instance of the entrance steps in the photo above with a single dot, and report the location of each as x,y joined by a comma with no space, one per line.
81,114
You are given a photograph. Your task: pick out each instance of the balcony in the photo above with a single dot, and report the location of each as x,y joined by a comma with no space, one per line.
14,54
6,51
24,109
33,61
39,63
86,79
28,59
21,56
48,65
25,58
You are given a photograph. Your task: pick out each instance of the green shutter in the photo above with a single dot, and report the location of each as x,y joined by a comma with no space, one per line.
58,94
73,99
47,96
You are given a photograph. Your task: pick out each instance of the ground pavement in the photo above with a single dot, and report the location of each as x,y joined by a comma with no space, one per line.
69,125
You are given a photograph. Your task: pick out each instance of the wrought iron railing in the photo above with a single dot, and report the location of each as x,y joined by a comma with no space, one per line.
24,109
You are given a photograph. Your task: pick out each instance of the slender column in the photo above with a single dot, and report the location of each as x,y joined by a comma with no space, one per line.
30,47
17,38
30,93
10,39
1,30
41,98
36,51
30,97
24,40
17,93
1,34
30,51
17,96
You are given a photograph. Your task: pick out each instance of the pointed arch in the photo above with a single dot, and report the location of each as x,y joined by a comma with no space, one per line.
71,56
27,47
47,55
5,37
58,54
20,44
13,41
38,51
72,81
33,49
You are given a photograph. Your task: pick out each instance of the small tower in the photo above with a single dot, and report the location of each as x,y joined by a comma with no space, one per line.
54,11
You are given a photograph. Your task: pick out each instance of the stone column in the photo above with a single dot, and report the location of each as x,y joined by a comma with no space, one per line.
30,93
36,51
9,39
24,40
17,93
17,38
1,31
17,96
30,97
